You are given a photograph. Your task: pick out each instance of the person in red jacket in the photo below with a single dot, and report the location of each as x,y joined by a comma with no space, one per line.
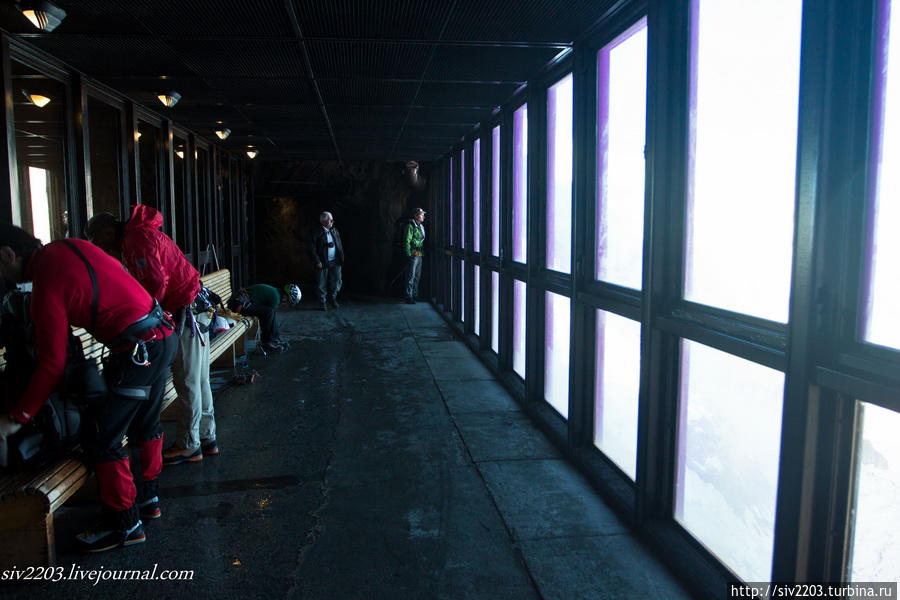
159,264
74,283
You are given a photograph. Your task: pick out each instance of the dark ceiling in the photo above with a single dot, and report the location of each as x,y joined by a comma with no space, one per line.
319,79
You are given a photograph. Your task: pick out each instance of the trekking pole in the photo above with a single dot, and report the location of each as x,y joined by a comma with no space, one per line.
403,270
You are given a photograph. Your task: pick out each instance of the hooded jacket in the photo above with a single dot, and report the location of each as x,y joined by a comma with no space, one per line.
156,261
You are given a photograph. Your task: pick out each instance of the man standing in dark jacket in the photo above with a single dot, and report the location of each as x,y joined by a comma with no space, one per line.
160,266
327,253
74,283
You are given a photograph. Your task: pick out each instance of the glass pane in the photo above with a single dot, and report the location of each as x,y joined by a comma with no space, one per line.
462,290
559,176
518,349
148,150
881,318
104,136
556,356
621,134
454,234
495,312
875,551
495,191
520,184
476,310
182,210
729,436
617,386
463,172
203,204
39,115
476,195
744,110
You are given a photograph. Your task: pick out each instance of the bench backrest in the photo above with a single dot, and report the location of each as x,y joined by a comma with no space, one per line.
219,282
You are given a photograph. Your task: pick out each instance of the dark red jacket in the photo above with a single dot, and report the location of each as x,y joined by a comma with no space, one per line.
61,296
156,261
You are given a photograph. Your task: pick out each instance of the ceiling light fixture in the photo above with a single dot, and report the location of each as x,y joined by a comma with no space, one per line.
36,99
222,133
43,15
169,99
252,152
180,153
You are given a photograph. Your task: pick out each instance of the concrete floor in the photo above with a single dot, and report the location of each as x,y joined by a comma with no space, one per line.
377,458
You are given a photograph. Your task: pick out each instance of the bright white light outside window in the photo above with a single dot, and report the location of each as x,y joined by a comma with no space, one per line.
476,311
476,195
39,186
729,437
495,191
462,290
617,386
453,233
881,317
744,116
875,553
520,185
559,176
495,312
464,220
518,345
556,355
621,135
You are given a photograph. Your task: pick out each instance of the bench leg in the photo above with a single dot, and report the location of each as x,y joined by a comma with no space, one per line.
26,533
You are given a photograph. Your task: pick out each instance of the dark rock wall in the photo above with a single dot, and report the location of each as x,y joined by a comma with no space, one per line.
367,199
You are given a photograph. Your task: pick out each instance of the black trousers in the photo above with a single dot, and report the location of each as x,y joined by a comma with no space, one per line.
268,325
124,411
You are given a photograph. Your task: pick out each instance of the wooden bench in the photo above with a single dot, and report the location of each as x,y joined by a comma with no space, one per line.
229,344
29,498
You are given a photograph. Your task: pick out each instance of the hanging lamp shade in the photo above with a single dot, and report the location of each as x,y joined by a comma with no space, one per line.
222,133
169,99
252,152
37,99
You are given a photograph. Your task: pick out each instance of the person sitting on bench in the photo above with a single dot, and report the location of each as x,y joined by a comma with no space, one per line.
74,283
261,301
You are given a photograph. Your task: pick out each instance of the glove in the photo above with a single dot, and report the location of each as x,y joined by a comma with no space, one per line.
8,427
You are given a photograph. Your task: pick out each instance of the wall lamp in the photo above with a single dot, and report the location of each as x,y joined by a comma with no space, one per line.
222,133
169,99
43,15
252,152
36,99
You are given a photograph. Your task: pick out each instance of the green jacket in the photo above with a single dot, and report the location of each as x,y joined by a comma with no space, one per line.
414,240
264,294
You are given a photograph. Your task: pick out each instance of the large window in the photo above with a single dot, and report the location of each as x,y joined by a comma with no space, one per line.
520,185
463,195
881,319
518,345
104,135
454,233
476,195
476,307
741,195
559,176
495,312
495,191
556,354
621,133
616,388
729,434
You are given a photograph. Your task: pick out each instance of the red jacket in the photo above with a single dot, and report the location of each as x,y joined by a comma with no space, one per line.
156,261
61,296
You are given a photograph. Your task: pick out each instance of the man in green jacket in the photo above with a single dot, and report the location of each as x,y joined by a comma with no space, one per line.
413,242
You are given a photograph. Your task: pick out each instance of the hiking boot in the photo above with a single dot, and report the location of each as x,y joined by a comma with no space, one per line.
117,529
148,501
149,509
209,447
270,347
175,456
334,303
410,301
323,307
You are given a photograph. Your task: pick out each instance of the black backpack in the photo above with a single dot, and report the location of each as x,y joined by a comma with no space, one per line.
57,426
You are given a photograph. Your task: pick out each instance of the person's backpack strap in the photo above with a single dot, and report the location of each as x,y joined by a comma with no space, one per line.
95,301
